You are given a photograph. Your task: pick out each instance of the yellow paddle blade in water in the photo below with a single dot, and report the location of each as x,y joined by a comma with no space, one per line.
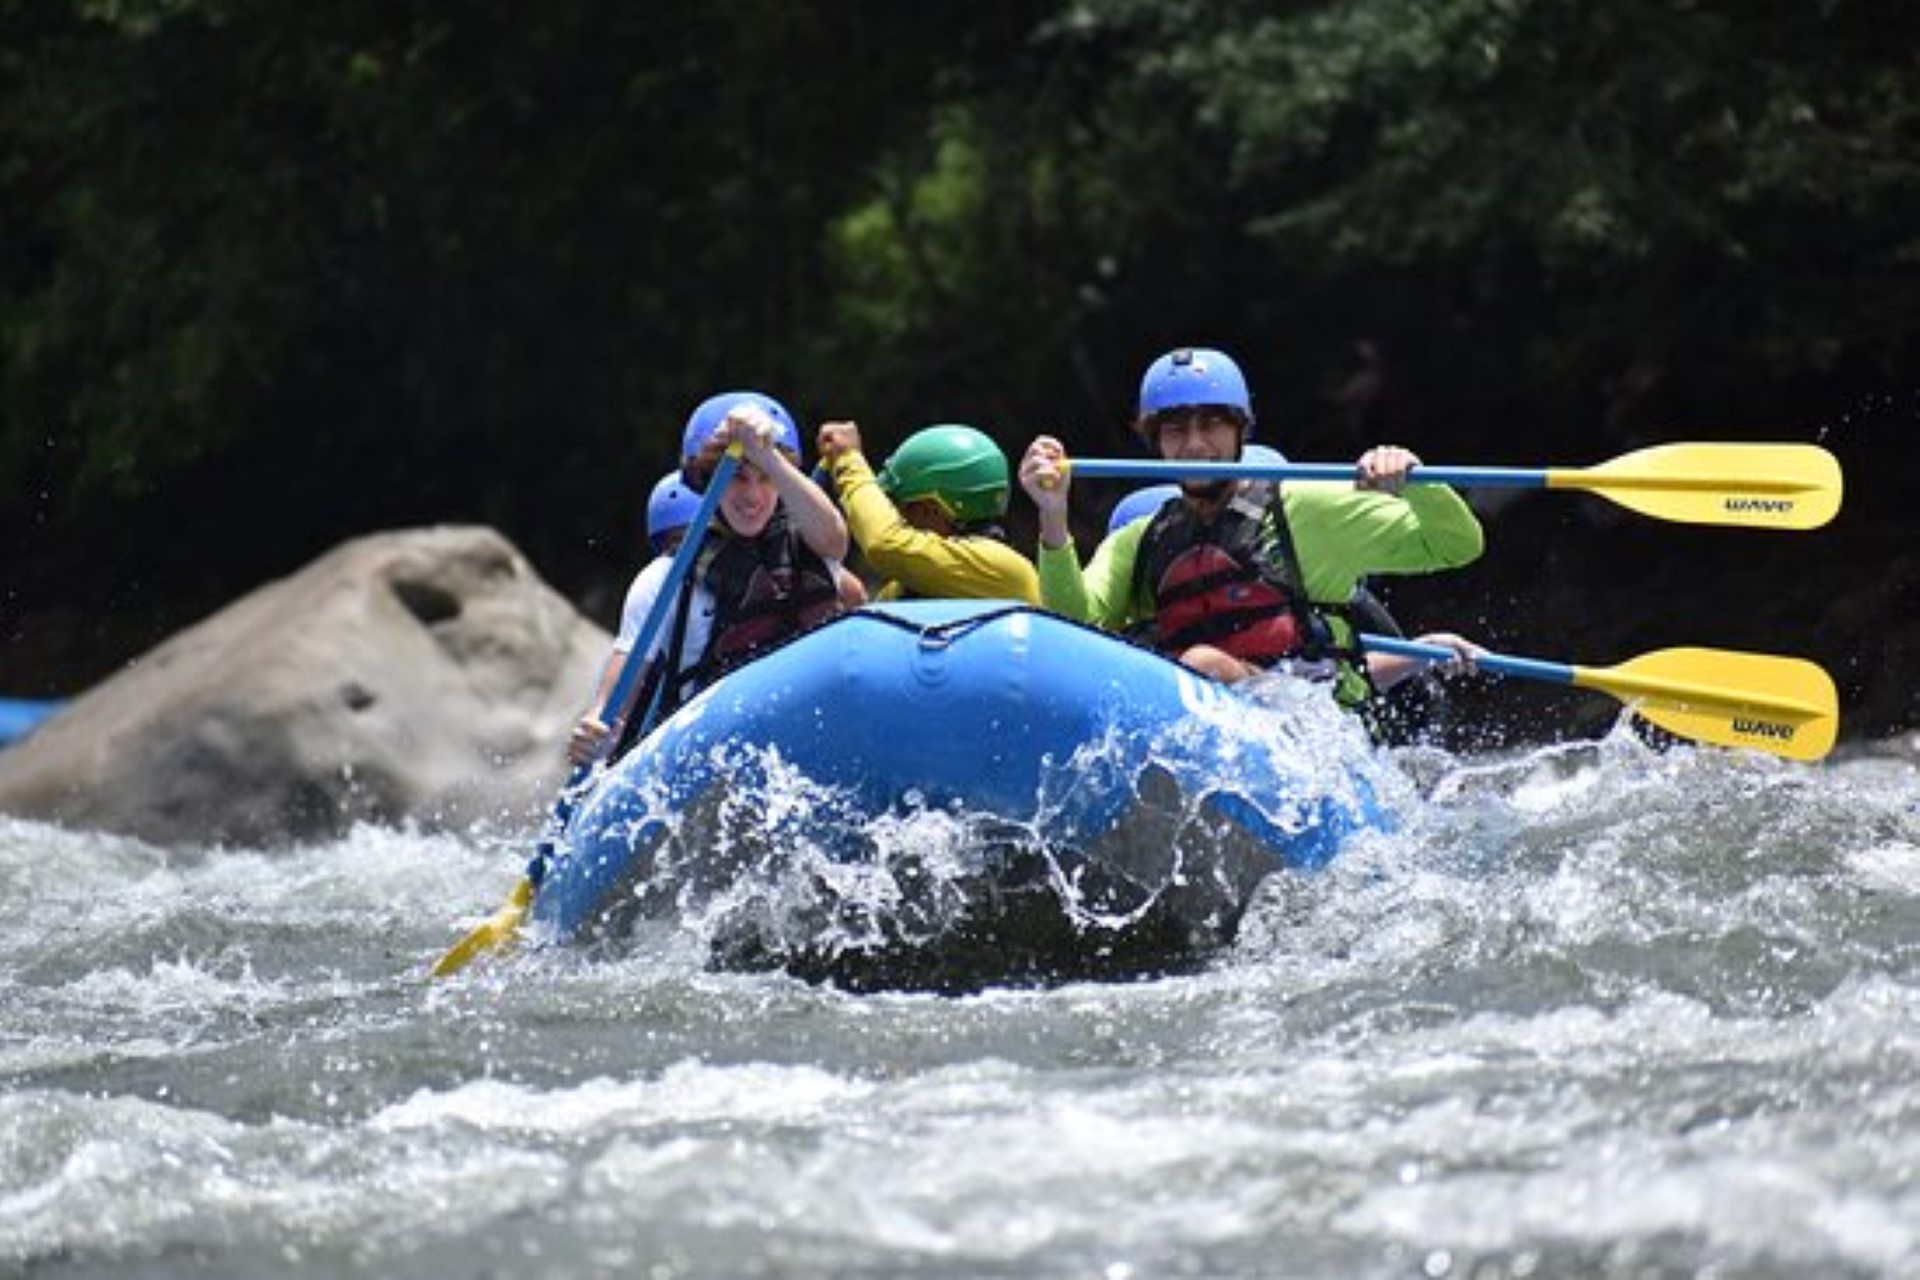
1784,706
1755,486
498,933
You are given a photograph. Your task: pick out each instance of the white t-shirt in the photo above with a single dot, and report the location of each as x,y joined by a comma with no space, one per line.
640,601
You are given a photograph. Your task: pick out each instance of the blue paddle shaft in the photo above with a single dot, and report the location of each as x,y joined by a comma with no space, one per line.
1161,471
636,658
683,558
1499,664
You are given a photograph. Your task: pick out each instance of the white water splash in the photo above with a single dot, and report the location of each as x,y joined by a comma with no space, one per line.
1598,1010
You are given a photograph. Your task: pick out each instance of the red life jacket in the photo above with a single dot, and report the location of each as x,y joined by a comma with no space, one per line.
1228,582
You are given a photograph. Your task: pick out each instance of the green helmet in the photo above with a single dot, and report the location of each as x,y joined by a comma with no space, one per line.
955,465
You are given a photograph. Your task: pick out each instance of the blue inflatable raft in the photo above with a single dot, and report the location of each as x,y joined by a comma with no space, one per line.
948,793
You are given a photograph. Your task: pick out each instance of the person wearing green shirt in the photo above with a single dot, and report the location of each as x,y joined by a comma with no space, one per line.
928,522
1237,577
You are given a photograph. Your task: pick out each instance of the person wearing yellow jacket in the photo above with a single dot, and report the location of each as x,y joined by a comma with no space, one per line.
928,523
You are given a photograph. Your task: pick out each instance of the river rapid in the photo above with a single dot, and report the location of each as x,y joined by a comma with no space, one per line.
1593,1010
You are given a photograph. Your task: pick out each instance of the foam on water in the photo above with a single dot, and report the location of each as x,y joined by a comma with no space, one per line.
1143,846
1591,1010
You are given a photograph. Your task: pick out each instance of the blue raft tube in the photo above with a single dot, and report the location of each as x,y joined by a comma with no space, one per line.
1118,809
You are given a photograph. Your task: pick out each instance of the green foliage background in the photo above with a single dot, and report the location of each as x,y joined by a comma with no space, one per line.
276,273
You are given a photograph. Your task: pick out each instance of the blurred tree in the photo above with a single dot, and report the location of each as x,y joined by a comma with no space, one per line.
321,267
276,273
1600,212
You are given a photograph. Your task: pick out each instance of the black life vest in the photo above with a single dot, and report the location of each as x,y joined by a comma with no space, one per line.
1231,582
766,590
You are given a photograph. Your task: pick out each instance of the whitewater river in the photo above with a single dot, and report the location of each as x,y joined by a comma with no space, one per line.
1593,1011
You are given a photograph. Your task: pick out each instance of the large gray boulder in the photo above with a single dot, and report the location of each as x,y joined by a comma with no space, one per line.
424,676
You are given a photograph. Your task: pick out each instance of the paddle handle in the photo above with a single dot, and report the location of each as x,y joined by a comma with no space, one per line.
1497,663
1163,471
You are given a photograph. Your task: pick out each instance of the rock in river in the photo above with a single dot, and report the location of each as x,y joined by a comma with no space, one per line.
424,675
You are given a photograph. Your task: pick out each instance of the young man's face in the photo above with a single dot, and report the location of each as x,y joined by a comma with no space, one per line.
1200,435
749,501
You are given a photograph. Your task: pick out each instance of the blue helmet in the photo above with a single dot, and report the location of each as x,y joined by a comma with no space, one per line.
670,508
714,410
1140,504
1192,376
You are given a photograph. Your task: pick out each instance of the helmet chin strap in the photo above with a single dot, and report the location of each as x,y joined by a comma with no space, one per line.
1214,492
1208,491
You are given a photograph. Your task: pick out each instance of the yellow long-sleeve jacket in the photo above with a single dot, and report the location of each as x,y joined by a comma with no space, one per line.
915,562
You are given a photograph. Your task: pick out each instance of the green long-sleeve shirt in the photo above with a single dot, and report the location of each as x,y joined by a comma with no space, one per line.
1340,534
920,563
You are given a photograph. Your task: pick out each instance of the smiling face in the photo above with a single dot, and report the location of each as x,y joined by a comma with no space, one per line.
1200,435
749,502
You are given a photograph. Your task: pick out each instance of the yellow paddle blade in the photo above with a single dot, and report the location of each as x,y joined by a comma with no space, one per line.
496,934
1783,706
1753,486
